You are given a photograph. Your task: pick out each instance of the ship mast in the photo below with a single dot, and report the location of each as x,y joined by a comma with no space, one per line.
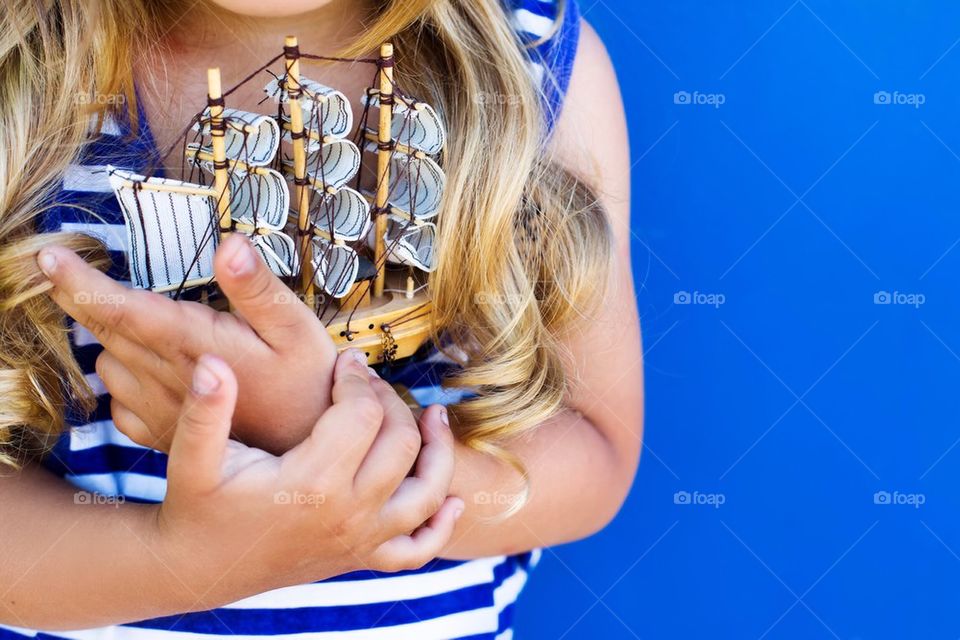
384,152
298,139
218,130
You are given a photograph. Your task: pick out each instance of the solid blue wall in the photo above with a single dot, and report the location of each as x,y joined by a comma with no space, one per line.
824,423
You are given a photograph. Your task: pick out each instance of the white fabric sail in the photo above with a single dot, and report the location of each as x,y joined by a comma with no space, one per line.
172,235
333,164
344,215
325,109
419,127
335,267
252,138
278,251
261,199
416,184
411,244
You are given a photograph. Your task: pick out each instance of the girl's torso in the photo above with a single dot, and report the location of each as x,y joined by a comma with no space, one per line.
445,599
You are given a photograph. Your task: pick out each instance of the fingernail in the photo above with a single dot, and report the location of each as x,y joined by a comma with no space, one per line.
243,261
373,372
444,418
47,262
458,511
359,357
205,380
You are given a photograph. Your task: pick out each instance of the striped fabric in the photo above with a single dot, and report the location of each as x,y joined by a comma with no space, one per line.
445,599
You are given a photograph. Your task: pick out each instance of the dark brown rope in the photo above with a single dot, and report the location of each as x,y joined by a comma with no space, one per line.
313,56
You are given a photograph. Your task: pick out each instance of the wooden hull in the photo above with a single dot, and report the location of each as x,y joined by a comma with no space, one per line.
389,327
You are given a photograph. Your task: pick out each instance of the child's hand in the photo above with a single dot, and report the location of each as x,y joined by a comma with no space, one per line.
239,520
280,352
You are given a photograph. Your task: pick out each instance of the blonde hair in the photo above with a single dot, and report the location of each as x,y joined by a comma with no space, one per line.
523,245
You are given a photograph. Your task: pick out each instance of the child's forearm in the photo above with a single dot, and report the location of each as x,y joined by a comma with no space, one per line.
578,478
68,564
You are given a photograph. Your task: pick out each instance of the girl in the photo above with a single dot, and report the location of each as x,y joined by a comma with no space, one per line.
533,290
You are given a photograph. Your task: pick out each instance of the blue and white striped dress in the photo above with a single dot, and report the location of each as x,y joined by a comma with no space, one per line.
445,599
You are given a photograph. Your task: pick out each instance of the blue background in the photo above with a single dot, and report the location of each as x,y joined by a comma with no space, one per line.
798,399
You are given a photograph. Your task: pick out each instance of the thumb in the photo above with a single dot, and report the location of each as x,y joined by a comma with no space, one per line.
200,442
264,301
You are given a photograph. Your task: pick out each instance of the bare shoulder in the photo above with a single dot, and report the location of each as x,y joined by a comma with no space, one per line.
591,134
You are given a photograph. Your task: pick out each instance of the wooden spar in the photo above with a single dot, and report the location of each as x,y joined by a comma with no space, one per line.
298,140
373,136
384,152
313,135
221,178
317,184
397,211
183,189
192,153
189,284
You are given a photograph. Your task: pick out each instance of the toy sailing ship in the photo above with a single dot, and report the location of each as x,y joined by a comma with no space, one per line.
357,257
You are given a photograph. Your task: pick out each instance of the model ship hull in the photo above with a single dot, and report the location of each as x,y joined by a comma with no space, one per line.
392,328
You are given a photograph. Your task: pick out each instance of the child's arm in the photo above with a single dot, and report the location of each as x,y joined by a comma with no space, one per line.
581,463
65,565
236,521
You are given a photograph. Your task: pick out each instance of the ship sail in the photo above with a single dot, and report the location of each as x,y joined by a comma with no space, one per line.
343,216
325,110
259,201
259,196
411,245
173,225
250,137
416,184
415,125
416,181
171,229
338,214
333,164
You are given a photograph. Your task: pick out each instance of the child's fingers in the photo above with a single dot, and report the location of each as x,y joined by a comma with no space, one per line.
420,495
423,545
114,314
119,381
263,300
351,379
393,453
130,425
343,434
200,442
